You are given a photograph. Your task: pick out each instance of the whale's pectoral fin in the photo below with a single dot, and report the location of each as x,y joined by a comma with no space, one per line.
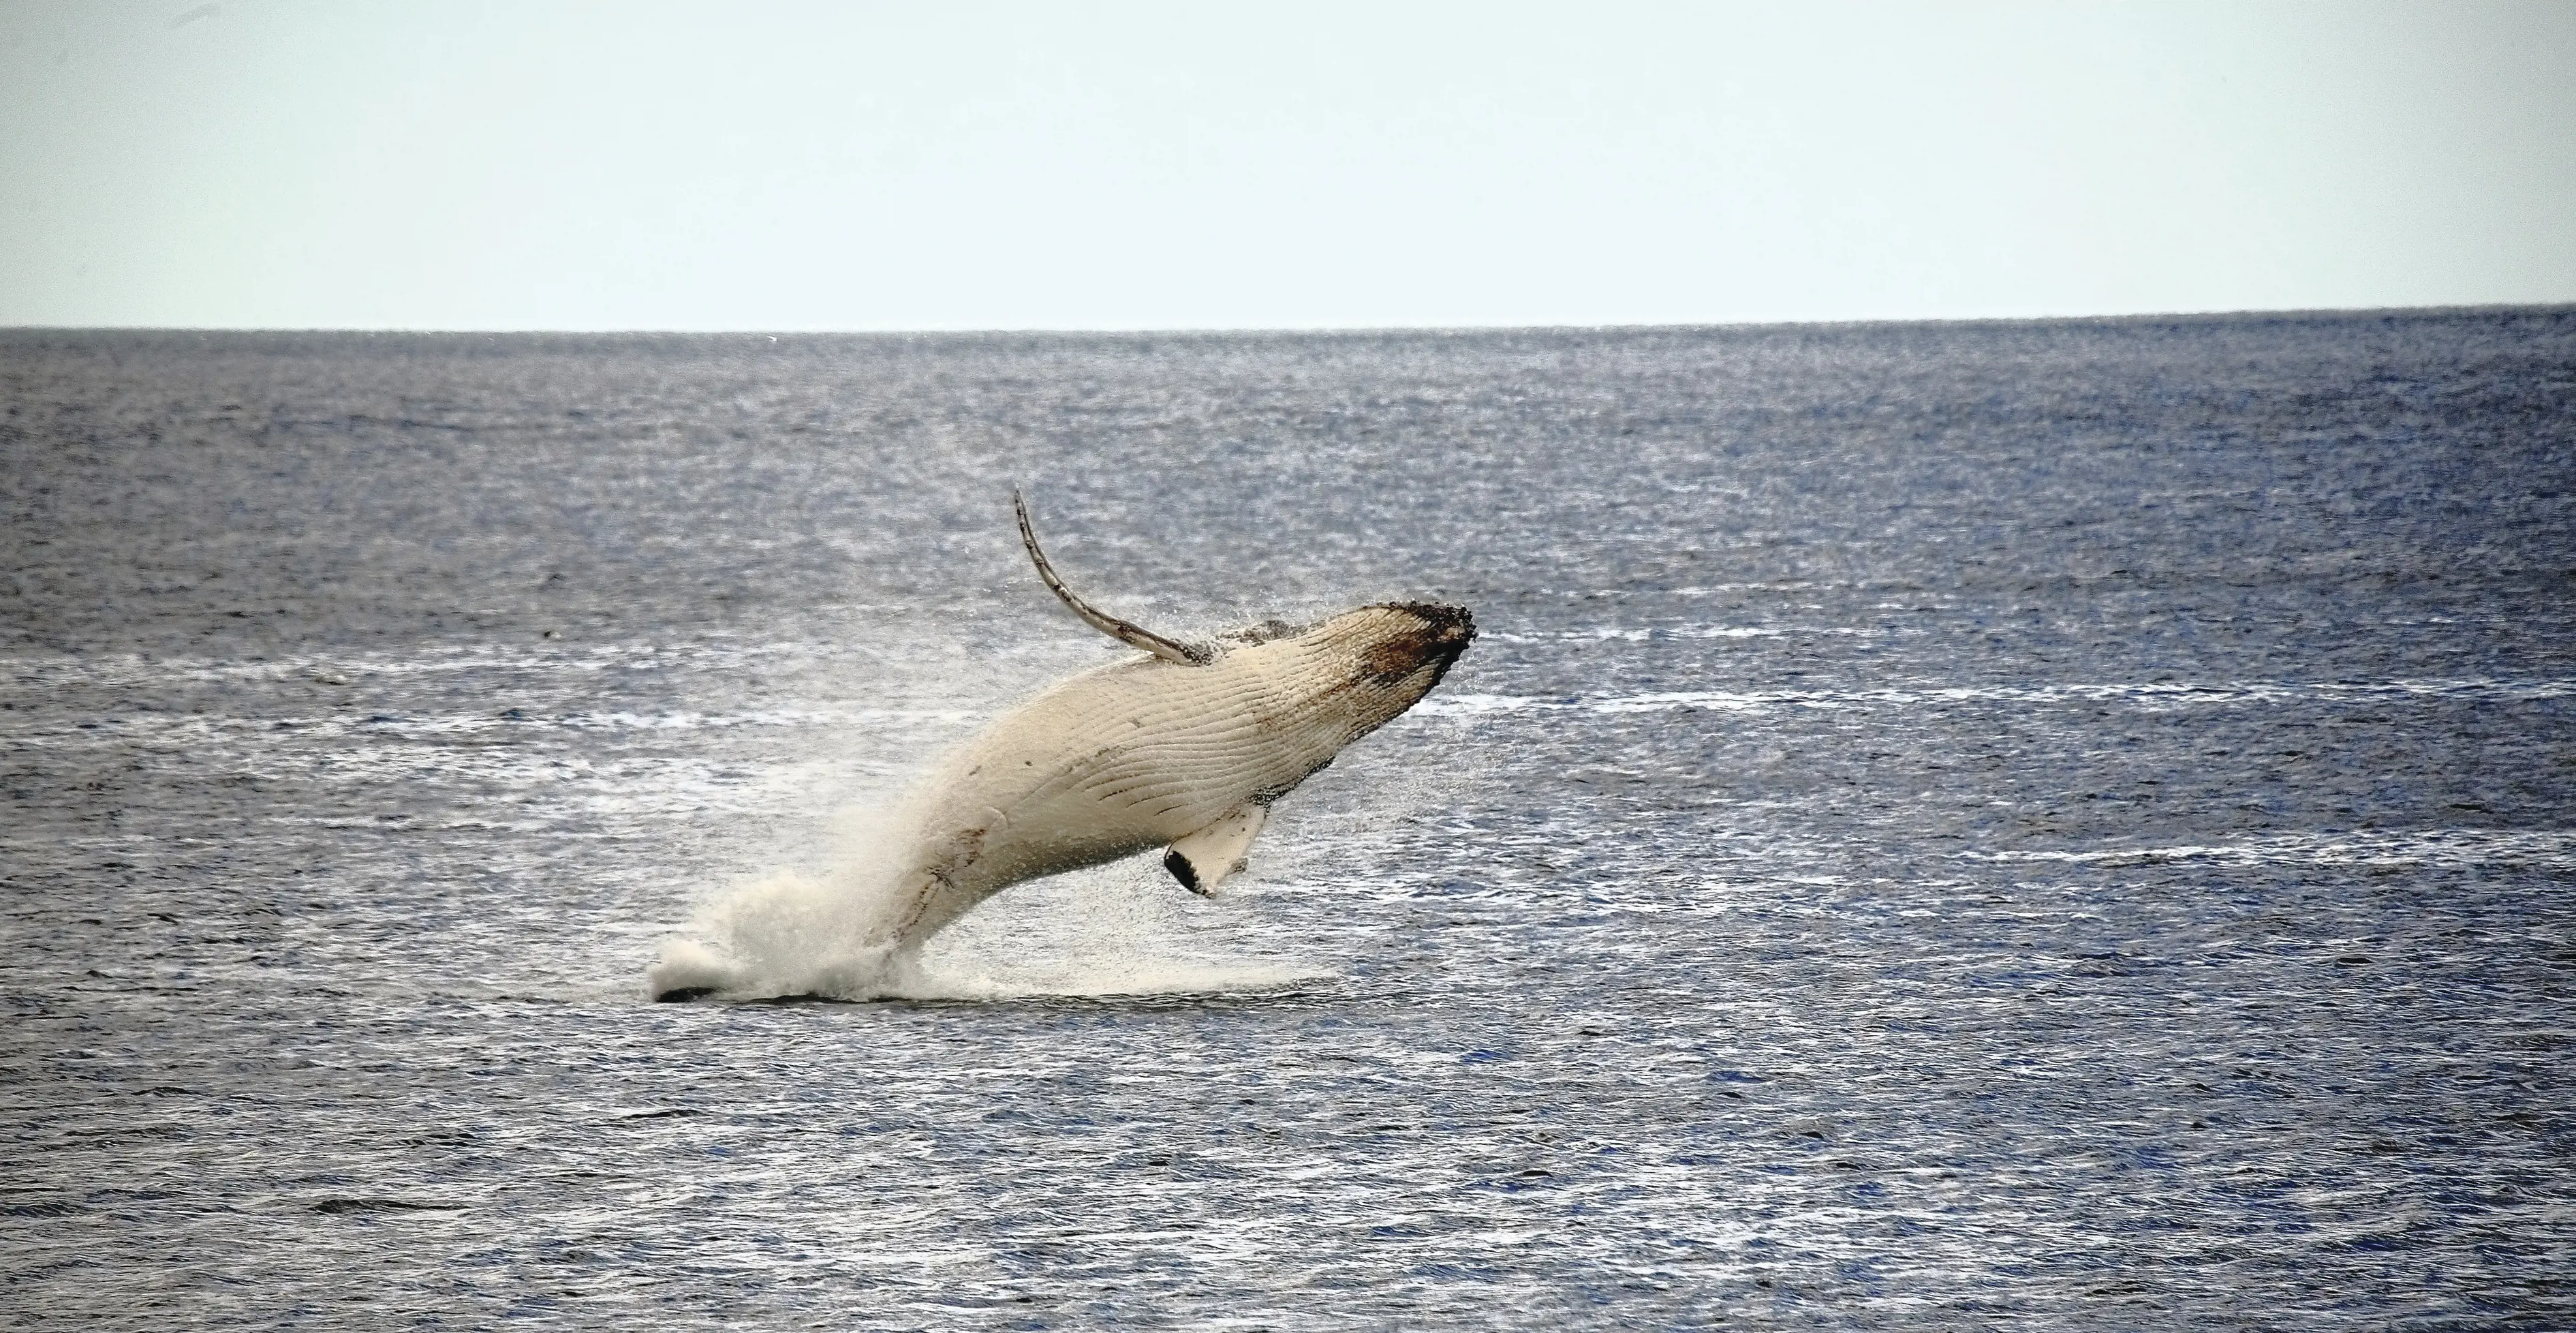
1202,860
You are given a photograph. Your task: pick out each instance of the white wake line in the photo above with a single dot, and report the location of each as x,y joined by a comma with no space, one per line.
408,726
135,669
1651,633
2159,696
2163,695
2549,848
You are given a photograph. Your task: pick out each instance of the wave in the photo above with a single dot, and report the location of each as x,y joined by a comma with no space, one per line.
2154,696
2451,848
1652,633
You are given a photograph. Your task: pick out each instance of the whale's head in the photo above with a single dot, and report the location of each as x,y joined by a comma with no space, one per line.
1380,660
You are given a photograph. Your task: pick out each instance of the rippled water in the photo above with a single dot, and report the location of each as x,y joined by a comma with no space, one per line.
2066,825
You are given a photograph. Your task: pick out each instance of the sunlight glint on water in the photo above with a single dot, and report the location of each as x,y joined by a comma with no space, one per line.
2062,825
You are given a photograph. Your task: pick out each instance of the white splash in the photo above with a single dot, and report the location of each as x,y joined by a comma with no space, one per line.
788,934
1116,930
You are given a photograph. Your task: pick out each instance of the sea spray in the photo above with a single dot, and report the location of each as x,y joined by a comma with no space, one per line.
1120,929
1123,929
820,924
787,934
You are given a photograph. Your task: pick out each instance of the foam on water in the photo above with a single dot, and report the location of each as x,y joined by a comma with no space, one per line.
2149,696
788,934
1117,930
2450,848
1112,930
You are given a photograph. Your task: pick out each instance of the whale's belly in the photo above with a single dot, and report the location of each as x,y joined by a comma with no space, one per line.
1118,762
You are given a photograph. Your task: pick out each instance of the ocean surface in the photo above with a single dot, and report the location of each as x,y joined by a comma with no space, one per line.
2060,825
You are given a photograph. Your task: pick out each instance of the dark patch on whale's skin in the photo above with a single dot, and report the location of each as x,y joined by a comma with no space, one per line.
1183,871
684,994
1264,632
1269,796
1443,636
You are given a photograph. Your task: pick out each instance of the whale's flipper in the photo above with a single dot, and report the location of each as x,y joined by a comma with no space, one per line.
1124,631
1202,860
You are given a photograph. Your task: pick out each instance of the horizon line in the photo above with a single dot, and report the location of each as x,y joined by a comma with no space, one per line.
1214,330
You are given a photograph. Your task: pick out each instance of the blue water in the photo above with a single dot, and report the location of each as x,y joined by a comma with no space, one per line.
2056,824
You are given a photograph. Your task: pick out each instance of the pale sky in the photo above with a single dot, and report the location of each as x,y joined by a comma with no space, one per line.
634,165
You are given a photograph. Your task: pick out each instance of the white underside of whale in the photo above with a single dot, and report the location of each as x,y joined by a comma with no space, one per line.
1142,754
1135,756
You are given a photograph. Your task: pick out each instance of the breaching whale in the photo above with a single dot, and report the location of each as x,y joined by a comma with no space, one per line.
1185,749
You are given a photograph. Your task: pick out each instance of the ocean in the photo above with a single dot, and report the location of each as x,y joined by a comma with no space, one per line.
2062,824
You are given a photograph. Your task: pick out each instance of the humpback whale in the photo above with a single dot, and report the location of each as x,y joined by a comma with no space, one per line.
1185,748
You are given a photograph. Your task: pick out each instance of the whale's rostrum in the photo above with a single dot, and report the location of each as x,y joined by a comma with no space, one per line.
1184,749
